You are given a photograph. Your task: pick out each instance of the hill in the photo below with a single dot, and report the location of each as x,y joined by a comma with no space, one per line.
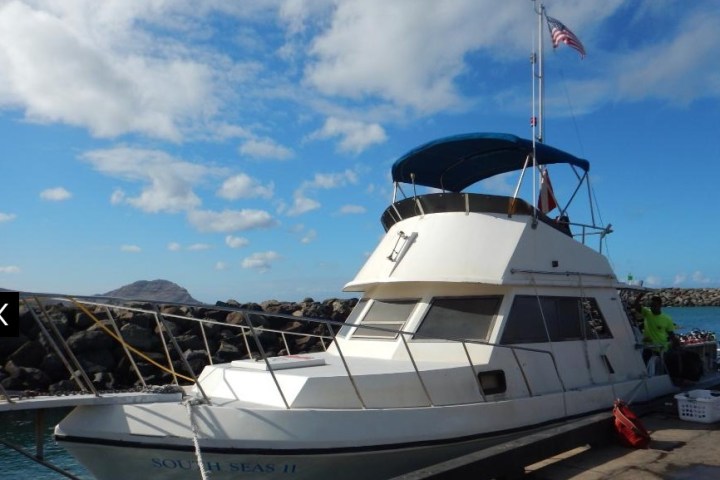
159,290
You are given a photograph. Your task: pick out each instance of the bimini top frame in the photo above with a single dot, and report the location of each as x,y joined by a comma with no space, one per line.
454,163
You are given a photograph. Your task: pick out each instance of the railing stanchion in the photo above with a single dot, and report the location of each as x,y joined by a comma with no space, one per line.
124,346
261,351
417,372
347,369
182,357
475,373
72,356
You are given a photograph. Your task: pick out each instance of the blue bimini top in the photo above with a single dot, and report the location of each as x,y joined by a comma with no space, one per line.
454,163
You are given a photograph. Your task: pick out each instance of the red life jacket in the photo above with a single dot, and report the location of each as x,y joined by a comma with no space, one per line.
631,432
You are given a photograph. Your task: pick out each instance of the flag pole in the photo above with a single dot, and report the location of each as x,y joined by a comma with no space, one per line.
541,77
537,122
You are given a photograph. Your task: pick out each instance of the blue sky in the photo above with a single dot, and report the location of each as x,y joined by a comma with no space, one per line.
242,149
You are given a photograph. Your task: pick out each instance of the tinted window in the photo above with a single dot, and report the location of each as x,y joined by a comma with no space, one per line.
388,315
524,323
567,318
353,317
459,317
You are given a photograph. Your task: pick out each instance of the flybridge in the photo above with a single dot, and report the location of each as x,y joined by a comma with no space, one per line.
452,164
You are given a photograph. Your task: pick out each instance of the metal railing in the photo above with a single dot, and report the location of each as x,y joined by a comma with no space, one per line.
252,329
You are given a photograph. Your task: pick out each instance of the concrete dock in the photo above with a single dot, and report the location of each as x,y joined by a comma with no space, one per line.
588,449
679,450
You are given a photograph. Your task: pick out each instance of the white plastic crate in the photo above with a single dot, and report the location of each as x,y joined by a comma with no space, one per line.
699,406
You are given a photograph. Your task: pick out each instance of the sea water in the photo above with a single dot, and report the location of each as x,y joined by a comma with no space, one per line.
18,427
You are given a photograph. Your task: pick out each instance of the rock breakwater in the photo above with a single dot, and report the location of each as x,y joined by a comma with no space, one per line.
30,362
683,297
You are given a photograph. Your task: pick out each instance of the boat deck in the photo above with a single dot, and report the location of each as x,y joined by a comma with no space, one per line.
41,402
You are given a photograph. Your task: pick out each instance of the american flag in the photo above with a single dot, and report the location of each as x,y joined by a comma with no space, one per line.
560,33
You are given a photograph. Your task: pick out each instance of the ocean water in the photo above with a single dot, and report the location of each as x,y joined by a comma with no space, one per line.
18,427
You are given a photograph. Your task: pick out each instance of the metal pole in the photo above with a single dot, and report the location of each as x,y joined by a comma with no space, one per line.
124,346
180,353
72,356
39,434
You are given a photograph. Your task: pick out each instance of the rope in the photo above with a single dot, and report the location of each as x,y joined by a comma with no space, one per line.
193,427
129,347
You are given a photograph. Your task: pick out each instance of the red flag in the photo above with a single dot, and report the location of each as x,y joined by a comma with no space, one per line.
560,33
546,200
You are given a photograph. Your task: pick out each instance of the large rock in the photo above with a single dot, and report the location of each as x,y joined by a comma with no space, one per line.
89,340
141,338
30,354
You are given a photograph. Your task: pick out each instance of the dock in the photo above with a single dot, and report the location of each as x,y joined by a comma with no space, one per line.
679,450
588,449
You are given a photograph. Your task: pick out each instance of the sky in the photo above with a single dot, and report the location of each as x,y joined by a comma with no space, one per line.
242,149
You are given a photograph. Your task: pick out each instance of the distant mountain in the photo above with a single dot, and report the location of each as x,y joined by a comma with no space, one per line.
159,290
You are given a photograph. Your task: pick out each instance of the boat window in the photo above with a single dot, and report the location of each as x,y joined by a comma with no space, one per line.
596,325
459,318
385,318
567,319
352,319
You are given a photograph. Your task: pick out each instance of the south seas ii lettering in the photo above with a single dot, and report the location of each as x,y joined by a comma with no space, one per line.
236,467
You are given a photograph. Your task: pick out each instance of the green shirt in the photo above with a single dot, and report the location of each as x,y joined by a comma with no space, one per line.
656,328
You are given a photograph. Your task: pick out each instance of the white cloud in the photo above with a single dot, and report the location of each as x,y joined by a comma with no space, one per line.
700,277
680,278
10,269
117,197
196,247
355,136
652,281
57,194
236,242
686,49
220,266
352,209
7,217
261,261
174,247
325,181
230,220
98,66
130,248
168,181
410,52
302,204
243,186
265,148
309,236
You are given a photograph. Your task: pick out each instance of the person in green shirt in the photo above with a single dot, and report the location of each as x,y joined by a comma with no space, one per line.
658,327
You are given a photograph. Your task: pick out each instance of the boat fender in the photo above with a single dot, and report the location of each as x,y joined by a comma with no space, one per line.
631,432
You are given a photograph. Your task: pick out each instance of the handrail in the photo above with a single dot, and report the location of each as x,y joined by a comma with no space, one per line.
250,329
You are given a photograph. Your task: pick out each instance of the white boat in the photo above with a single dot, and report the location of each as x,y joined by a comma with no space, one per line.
480,319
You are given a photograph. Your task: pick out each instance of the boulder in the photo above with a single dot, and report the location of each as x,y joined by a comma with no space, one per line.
89,340
138,337
30,354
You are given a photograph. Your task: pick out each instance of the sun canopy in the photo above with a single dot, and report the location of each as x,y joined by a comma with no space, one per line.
454,163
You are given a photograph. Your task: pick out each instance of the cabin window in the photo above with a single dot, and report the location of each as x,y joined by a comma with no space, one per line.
459,318
566,318
385,318
352,319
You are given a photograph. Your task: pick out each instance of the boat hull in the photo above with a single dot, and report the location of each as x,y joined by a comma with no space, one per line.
160,463
155,441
